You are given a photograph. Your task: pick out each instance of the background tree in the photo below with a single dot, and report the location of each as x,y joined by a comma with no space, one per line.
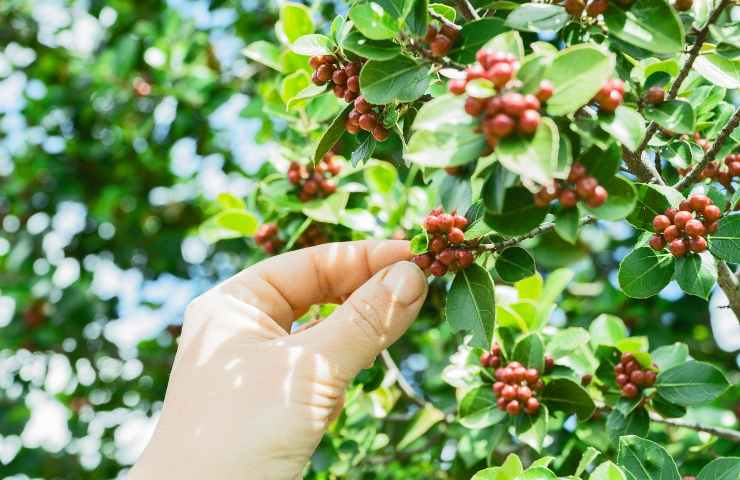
579,160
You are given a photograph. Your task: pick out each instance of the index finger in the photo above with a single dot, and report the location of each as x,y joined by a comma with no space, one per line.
285,286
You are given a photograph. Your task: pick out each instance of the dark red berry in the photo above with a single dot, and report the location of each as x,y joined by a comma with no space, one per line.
611,101
681,219
657,243
598,198
457,236
438,269
678,247
440,46
698,244
660,223
712,213
508,392
513,407
514,104
671,233
695,228
529,121
361,105
545,91
698,202
637,377
447,256
500,74
622,379
568,198
655,95
368,121
423,261
630,390
465,258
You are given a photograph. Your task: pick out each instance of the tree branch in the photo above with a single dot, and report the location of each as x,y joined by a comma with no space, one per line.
701,36
691,177
443,20
726,433
639,168
467,10
545,227
729,283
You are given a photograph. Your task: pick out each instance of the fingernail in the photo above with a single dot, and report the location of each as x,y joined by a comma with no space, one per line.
406,282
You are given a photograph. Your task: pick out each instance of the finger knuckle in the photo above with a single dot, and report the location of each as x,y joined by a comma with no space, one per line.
367,318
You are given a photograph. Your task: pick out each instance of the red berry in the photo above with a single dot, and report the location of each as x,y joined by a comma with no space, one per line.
631,366
617,84
649,379
597,7
630,390
519,373
532,405
586,186
315,61
324,72
495,361
502,125
712,227
380,133
545,91
681,219
698,244
431,33
684,206
339,77
423,261
532,102
670,213
352,69
532,376
447,256
549,363
657,243
660,223
445,222
501,402
465,258
361,105
678,247
598,197
695,228
712,213
353,84
460,221
513,407
611,101
577,171
500,74
575,7
655,95
509,375
498,386
311,186
440,46
586,379
514,104
339,91
474,106
368,121
438,269
529,120
698,202
457,87
457,236
523,393
508,392
438,244
619,368
499,374
494,106
622,379
637,377
568,198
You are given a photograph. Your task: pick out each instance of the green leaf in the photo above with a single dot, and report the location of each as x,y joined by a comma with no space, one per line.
332,134
295,21
652,200
607,471
514,264
533,158
365,150
645,459
473,36
602,163
373,21
265,53
508,42
418,18
586,459
294,84
470,305
397,80
237,221
577,73
649,24
537,473
494,188
358,219
455,193
691,383
442,112
697,274
725,242
619,204
669,356
538,17
566,341
445,10
719,70
723,468
327,210
566,395
424,419
626,125
370,49
312,44
607,330
307,92
566,224
419,244
643,273
530,352
532,430
667,409
455,145
674,115
478,409
380,176
519,213
228,200
636,423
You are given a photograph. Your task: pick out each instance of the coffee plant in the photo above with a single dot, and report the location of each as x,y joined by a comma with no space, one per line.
566,174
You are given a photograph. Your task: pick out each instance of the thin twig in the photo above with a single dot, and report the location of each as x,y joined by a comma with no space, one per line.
701,36
731,286
443,20
692,176
467,10
726,433
639,168
545,227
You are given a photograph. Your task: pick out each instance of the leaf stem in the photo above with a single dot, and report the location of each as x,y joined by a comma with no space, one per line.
468,10
726,433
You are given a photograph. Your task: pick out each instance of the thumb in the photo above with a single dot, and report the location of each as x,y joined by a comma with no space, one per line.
371,319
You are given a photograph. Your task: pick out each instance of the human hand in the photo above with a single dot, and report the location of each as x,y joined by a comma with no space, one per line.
246,399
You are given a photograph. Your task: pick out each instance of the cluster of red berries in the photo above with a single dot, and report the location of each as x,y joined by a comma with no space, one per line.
509,111
631,377
655,95
684,230
516,386
365,116
448,250
313,235
313,181
578,186
611,95
440,40
713,171
267,238
344,80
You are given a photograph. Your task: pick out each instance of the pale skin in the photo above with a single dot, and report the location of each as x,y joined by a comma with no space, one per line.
248,400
